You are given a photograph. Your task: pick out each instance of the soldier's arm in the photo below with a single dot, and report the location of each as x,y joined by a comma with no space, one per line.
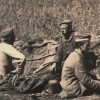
59,54
37,45
12,52
85,78
15,54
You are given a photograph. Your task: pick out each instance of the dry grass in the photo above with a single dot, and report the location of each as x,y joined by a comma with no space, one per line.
31,18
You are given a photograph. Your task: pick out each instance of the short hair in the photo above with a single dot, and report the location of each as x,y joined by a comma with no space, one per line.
6,32
8,35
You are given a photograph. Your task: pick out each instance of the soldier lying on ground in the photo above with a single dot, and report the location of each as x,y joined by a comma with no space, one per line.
34,44
40,76
51,52
51,47
78,73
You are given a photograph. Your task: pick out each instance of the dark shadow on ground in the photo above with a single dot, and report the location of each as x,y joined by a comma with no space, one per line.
12,95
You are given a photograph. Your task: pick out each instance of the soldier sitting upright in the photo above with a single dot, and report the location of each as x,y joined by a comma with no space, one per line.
78,73
8,53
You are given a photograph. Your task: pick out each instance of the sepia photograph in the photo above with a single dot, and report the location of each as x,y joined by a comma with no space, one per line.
49,50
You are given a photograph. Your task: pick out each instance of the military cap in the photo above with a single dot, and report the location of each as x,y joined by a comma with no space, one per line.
6,32
66,22
83,38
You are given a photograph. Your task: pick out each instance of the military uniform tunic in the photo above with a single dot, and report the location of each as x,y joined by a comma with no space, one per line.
76,77
7,54
64,49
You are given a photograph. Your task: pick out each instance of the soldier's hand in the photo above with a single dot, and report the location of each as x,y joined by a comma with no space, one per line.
17,71
14,72
46,42
25,46
53,67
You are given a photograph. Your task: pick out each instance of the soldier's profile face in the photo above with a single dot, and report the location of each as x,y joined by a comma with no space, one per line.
64,28
85,47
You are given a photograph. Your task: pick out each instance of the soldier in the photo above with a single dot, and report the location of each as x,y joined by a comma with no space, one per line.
77,73
66,43
65,46
8,54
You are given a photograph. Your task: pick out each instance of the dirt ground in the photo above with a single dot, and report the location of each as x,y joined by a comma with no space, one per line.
11,95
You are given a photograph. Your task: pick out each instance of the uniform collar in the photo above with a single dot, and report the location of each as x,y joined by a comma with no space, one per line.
70,38
78,51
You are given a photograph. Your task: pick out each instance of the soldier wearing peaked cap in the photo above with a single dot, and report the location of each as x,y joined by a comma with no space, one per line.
66,43
78,73
81,39
8,53
66,22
